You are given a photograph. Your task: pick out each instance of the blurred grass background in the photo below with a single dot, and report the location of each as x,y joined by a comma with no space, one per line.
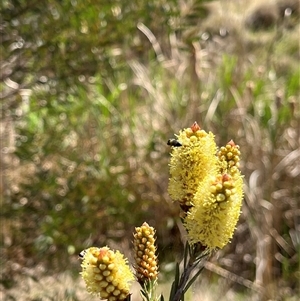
90,93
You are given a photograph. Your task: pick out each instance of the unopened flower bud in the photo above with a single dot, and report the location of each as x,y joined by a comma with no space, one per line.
146,266
106,273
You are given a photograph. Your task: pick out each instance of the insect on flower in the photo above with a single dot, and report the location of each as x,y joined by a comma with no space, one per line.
82,254
174,142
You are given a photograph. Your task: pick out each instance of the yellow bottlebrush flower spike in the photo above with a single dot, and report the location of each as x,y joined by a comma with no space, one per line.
106,273
217,207
146,266
191,163
208,185
218,201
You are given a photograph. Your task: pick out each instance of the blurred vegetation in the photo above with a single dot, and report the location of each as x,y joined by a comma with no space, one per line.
90,93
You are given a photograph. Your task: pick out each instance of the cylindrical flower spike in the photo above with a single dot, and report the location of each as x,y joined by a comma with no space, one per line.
191,163
217,207
146,266
106,273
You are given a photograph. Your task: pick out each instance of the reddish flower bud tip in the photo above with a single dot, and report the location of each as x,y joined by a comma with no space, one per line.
226,177
195,127
102,253
231,143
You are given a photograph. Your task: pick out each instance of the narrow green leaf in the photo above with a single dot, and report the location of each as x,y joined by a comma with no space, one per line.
177,274
175,282
192,280
185,254
173,290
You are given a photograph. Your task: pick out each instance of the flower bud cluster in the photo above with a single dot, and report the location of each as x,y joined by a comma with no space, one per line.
229,158
106,273
146,266
223,188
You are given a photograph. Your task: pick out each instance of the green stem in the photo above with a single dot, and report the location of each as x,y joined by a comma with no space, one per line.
183,281
196,260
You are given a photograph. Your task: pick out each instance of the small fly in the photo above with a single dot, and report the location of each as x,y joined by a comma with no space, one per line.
82,254
174,142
